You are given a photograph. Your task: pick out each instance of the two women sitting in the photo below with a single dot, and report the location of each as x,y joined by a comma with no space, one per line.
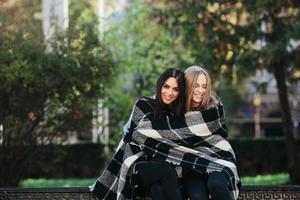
174,143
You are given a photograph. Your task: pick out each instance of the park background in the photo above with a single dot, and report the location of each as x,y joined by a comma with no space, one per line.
70,72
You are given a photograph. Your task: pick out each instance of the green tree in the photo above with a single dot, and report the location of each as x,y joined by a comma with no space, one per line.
44,94
222,36
141,49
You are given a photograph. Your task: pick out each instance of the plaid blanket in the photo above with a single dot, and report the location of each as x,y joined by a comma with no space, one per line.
195,140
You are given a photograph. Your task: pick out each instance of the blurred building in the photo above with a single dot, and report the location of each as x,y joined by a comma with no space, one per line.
260,115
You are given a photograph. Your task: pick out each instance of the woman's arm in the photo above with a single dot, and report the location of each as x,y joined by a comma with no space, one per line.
139,111
224,131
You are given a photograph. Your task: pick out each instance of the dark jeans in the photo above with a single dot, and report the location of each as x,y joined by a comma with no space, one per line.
160,179
198,186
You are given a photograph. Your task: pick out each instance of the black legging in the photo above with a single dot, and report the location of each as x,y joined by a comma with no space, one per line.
198,187
160,179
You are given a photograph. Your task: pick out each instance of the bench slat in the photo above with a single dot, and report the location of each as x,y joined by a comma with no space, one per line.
83,193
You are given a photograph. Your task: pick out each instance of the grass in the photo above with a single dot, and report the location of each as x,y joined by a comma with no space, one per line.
275,179
41,182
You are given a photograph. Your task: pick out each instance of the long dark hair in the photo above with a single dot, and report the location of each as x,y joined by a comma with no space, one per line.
176,107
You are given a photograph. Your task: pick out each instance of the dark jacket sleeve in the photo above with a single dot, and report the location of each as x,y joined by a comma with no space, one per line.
140,109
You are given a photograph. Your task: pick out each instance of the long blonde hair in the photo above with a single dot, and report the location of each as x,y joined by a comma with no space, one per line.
191,75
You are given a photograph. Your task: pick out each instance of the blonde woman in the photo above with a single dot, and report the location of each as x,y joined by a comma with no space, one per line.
199,97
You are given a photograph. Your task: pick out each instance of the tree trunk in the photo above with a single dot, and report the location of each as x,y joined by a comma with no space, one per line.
279,62
290,142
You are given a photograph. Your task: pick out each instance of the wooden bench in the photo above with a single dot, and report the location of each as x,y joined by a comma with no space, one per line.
82,193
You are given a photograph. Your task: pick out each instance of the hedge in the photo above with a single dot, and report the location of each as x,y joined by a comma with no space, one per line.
68,161
254,156
260,156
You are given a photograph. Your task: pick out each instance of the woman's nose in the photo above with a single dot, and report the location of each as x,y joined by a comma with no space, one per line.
197,90
170,92
202,90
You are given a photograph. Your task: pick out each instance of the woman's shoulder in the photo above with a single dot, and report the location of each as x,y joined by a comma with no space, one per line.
214,102
217,106
146,99
145,103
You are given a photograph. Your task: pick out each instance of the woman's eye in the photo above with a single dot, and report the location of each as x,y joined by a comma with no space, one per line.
165,86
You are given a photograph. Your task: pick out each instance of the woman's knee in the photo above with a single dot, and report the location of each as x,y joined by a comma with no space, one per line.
198,194
216,181
195,186
168,171
156,188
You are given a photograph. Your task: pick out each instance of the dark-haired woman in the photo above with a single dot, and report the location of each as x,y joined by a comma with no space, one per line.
157,176
150,174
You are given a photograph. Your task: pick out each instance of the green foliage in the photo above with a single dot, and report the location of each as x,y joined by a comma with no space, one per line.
46,95
83,19
222,34
36,85
141,49
120,105
63,83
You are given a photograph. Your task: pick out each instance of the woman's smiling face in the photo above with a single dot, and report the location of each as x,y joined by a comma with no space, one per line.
199,90
169,91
